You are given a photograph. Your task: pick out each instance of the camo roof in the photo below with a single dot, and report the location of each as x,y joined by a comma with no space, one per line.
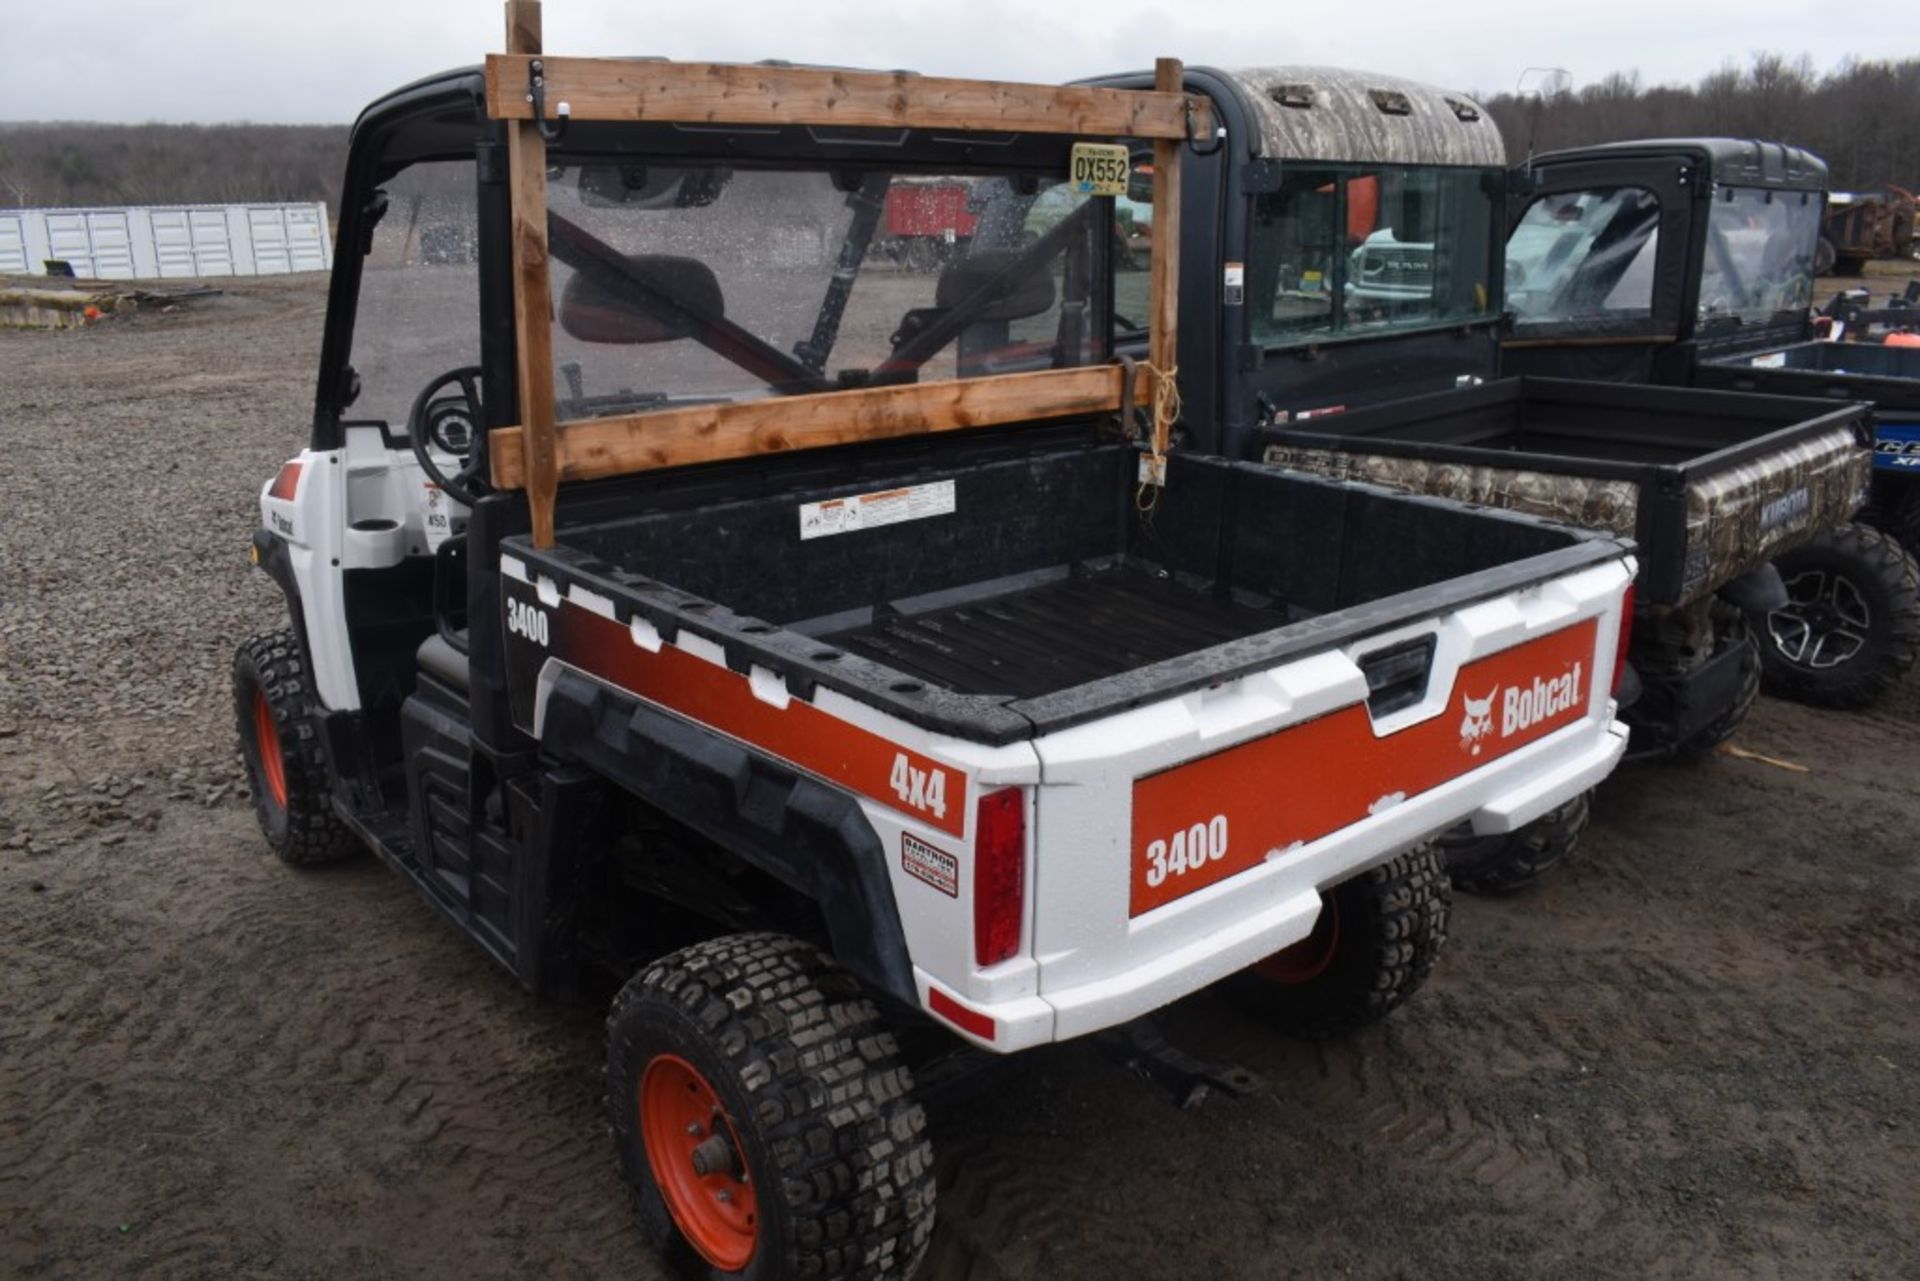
1333,114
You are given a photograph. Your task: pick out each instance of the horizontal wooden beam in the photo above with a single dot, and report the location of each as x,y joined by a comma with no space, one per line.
739,94
590,448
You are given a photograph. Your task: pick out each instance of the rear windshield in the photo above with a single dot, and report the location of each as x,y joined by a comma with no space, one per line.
1344,249
689,285
1759,253
1584,256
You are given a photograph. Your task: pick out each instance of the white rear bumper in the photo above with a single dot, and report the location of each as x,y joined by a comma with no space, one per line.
1229,926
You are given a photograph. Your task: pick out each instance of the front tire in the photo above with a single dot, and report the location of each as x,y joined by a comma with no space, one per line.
1515,860
1374,943
1851,628
762,1119
280,746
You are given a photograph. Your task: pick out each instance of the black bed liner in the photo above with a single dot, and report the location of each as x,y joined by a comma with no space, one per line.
1687,472
1047,598
1643,434
1076,624
1887,376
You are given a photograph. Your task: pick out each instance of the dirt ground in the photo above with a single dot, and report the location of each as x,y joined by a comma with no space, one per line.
1694,1052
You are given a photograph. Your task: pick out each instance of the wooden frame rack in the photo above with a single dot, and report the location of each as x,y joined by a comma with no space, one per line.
540,453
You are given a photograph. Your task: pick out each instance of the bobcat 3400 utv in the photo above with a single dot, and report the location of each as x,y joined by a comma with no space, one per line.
681,599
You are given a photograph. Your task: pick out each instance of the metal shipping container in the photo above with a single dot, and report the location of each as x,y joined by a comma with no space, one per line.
154,242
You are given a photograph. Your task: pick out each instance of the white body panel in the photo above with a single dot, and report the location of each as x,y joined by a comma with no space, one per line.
368,506
155,242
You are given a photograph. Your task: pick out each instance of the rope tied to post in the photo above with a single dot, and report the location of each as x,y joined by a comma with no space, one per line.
1164,404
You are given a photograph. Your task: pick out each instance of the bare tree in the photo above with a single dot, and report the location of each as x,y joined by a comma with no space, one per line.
1862,117
89,164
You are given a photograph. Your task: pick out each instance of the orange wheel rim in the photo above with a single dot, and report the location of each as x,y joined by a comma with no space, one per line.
266,737
1311,956
697,1162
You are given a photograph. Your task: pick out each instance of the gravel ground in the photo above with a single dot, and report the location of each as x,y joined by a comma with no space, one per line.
1694,1052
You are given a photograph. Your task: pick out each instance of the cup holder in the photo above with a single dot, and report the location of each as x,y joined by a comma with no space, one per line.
376,540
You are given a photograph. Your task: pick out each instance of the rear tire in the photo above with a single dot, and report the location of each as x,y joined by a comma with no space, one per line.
1852,628
280,746
1373,945
826,1169
1515,860
1896,511
1824,256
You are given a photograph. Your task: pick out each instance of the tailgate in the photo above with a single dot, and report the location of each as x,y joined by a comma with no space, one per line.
1184,840
1209,819
1743,511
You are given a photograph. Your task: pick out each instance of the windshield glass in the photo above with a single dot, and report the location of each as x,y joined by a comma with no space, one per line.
1759,253
1584,256
418,314
1343,249
699,284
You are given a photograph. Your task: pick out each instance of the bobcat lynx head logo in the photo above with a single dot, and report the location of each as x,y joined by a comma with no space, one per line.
1478,722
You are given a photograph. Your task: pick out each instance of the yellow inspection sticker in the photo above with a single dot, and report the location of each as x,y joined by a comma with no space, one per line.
1100,168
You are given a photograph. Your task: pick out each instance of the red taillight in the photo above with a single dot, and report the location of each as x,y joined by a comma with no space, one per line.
286,484
999,874
1626,638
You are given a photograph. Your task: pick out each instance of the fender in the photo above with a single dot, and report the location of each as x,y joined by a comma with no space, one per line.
813,838
270,555
1757,589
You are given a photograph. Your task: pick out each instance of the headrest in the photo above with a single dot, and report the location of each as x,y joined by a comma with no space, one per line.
610,307
1015,296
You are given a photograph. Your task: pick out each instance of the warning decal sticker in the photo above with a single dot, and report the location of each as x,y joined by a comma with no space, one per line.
930,864
871,511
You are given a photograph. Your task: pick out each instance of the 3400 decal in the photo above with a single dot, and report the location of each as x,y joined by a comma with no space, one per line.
528,621
1186,851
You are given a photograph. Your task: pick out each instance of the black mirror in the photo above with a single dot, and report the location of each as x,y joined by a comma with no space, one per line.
655,298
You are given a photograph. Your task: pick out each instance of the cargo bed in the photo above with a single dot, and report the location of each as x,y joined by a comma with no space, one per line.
1710,484
1887,376
1030,594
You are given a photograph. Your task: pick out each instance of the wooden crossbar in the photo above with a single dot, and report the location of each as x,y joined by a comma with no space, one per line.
591,448
738,94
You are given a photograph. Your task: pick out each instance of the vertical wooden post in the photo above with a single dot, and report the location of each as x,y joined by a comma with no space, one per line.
1163,346
532,292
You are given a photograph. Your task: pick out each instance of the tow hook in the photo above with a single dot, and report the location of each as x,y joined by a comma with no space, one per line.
1143,1049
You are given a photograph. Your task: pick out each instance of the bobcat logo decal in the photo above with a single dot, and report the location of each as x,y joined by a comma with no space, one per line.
1478,722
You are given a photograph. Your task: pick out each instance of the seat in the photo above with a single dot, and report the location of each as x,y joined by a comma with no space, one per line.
443,660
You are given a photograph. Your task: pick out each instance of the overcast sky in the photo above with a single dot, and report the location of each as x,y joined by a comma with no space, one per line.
321,60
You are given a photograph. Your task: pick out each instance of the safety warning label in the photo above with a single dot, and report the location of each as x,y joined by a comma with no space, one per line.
870,511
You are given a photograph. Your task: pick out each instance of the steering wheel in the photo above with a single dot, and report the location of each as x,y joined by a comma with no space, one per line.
453,429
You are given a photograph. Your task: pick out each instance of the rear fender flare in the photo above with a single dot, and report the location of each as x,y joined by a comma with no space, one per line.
812,837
